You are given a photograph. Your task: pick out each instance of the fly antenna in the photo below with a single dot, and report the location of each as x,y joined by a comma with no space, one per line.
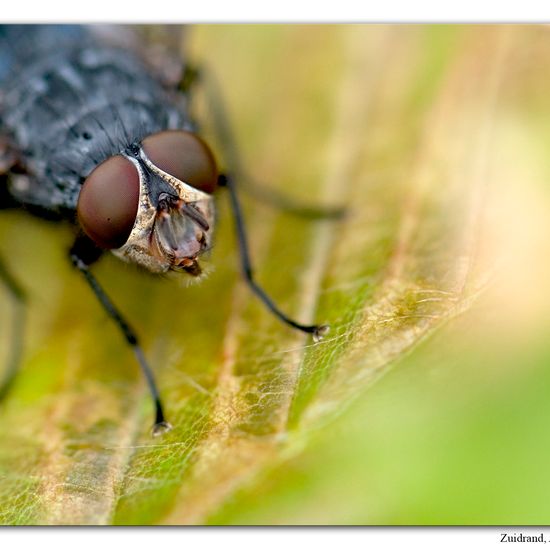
189,210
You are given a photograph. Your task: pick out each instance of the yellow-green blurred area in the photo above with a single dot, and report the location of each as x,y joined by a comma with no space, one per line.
428,402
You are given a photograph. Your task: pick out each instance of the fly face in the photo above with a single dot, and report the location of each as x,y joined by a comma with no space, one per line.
181,232
151,204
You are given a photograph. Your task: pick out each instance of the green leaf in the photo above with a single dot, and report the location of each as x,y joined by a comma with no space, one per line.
401,124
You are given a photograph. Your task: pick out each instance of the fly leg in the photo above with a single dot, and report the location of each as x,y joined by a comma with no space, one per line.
17,329
224,134
318,331
83,254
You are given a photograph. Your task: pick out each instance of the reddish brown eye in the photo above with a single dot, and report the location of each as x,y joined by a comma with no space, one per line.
185,156
108,202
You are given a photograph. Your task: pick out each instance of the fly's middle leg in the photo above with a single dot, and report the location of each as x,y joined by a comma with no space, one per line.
83,254
17,329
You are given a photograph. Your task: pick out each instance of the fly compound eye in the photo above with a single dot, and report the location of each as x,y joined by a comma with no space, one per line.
108,202
185,156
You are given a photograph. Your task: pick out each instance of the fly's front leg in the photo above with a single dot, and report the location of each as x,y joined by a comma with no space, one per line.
83,254
17,329
225,135
227,141
318,331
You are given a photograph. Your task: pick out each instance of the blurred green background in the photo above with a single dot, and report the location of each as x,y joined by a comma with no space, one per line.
428,402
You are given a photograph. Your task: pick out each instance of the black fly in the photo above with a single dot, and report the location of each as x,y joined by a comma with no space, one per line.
92,133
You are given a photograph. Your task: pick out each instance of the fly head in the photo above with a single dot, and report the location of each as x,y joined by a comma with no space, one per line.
152,203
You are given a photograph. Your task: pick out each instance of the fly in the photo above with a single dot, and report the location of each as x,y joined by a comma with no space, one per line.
93,134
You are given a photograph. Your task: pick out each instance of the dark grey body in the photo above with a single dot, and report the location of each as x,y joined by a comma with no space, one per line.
68,101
